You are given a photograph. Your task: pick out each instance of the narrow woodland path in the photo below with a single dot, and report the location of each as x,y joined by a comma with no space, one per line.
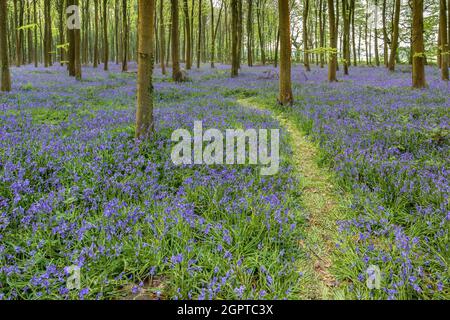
322,206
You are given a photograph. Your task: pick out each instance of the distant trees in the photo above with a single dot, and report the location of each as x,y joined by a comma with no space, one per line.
144,110
5,84
229,31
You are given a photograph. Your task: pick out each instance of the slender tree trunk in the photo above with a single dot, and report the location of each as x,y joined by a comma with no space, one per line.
418,76
105,35
250,33
77,48
62,15
176,72
4,60
35,53
125,35
188,52
394,47
333,43
305,36
275,63
96,55
162,37
199,40
444,43
322,33
213,45
234,39
17,31
346,35
352,9
286,97
144,110
259,14
385,37
377,56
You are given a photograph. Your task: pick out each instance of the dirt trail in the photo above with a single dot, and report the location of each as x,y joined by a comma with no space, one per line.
322,207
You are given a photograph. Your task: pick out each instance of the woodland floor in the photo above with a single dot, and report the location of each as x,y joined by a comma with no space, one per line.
363,182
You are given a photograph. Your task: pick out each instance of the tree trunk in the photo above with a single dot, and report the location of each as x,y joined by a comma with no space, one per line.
322,33
234,39
144,110
188,52
125,36
333,43
285,97
35,54
213,45
250,33
105,35
4,60
61,13
444,43
394,47
275,63
418,76
176,72
305,36
260,31
377,56
346,35
199,40
96,55
385,37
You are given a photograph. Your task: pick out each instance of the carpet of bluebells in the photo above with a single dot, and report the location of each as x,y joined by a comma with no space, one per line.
390,148
76,188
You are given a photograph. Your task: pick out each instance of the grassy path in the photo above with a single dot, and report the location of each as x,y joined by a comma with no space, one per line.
322,206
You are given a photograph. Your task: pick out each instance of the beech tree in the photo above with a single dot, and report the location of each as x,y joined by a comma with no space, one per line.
332,63
177,76
418,48
4,59
144,110
286,97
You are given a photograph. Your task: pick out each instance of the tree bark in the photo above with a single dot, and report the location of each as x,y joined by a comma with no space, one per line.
305,36
394,47
4,60
332,65
125,36
144,110
199,40
105,35
444,43
250,33
418,76
188,52
96,55
286,97
234,39
176,72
